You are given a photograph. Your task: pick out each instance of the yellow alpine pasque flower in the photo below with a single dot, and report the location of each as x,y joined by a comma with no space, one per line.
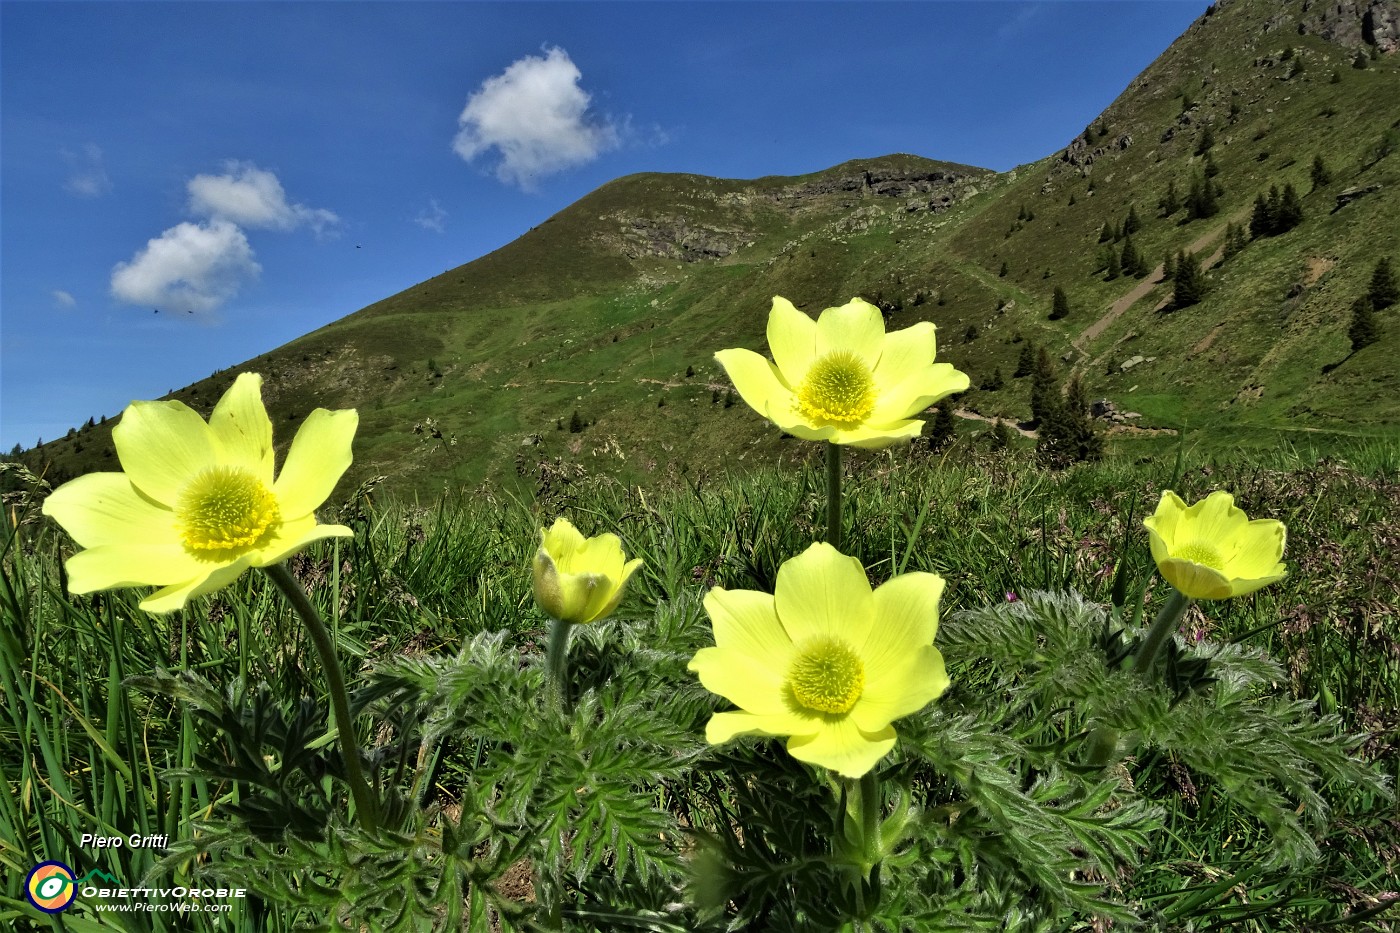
197,503
824,660
841,378
1212,550
578,579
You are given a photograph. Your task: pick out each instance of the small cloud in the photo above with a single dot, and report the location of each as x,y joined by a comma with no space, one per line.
63,300
432,217
190,267
253,197
535,115
86,176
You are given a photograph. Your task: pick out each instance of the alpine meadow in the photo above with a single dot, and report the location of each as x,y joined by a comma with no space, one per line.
905,546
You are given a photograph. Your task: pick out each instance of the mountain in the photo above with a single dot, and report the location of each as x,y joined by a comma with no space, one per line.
588,342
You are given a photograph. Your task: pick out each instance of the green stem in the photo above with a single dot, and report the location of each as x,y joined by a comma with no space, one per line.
1167,621
365,808
870,819
557,657
833,495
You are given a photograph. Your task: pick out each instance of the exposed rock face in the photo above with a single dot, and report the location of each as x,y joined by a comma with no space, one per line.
676,238
1080,155
1354,23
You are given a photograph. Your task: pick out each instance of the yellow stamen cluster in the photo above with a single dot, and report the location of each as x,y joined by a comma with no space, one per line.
839,389
1199,552
226,508
826,676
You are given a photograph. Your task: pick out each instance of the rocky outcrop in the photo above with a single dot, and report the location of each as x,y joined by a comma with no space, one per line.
1353,23
1081,156
675,238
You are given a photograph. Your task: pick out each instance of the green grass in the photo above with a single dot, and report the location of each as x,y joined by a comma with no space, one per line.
423,591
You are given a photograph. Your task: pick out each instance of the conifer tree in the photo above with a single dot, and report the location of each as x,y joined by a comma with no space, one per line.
1170,202
1115,268
999,437
1069,436
1045,393
1131,260
1201,200
1132,223
1321,174
1363,324
1059,308
1188,285
1210,169
1290,210
1025,364
1261,222
1004,269
943,430
993,383
1105,233
1384,290
1169,267
1206,141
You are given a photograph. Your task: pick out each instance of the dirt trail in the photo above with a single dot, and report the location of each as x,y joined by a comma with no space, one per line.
973,416
1153,279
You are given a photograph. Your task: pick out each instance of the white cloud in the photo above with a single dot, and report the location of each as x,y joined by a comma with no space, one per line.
432,217
190,267
253,197
87,178
535,115
63,300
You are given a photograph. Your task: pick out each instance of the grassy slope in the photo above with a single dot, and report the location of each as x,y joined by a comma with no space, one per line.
575,315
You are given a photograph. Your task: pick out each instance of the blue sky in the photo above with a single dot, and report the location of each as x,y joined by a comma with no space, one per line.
257,170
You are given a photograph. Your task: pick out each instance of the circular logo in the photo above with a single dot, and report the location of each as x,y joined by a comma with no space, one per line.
50,887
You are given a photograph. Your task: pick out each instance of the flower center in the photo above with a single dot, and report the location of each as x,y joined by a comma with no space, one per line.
838,388
826,676
226,508
1198,552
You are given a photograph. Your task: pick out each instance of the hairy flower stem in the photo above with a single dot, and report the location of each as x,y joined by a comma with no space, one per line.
1167,621
833,495
365,810
557,658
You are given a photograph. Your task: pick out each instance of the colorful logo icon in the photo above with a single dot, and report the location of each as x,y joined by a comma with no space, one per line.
51,887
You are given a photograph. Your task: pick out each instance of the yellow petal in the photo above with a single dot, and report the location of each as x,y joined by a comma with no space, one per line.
618,591
243,430
843,747
792,339
174,597
162,446
561,540
906,619
132,564
291,537
915,391
879,436
855,327
746,622
748,682
757,380
104,508
319,456
823,593
725,726
904,687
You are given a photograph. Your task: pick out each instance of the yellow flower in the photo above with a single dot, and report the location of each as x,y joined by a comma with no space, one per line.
578,579
824,659
1212,550
197,503
841,378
